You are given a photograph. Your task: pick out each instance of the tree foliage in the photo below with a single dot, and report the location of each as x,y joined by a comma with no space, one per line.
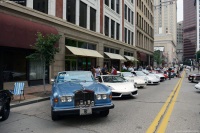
157,57
45,50
198,55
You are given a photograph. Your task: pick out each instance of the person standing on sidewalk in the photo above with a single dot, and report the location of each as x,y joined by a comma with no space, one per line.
169,73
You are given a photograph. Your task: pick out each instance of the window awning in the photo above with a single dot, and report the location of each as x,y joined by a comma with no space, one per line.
84,52
19,32
130,58
115,56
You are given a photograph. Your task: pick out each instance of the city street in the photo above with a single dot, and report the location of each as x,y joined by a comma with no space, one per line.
130,115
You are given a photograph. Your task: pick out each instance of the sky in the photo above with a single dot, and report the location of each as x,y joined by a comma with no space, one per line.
179,10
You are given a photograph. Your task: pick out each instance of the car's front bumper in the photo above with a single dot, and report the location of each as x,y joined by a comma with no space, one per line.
140,85
121,94
65,111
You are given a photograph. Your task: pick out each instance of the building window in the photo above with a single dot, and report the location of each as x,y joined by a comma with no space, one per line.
107,2
112,29
125,35
129,14
132,37
132,17
21,2
117,6
41,5
92,19
125,12
113,4
106,30
117,31
83,15
71,11
129,35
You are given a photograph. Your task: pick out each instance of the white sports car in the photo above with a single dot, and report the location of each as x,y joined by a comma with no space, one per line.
151,79
159,75
139,81
118,85
197,86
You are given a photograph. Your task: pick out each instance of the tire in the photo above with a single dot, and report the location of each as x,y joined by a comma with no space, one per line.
54,117
5,112
104,113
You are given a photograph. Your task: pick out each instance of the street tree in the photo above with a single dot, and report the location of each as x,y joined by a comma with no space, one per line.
157,57
45,51
198,55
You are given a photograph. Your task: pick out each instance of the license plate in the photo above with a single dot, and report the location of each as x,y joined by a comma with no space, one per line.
85,111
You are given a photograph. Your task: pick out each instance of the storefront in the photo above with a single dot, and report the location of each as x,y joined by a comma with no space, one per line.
80,55
113,59
17,34
143,59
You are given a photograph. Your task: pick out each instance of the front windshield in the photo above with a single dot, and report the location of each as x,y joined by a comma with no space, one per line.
140,73
113,79
127,74
75,76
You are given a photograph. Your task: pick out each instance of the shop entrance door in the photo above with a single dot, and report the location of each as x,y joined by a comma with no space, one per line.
70,65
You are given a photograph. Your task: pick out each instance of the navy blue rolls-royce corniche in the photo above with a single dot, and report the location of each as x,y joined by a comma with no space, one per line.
77,92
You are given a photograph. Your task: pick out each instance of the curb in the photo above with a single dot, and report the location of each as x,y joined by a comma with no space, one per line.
29,102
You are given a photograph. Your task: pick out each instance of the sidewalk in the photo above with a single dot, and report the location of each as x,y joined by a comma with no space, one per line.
32,94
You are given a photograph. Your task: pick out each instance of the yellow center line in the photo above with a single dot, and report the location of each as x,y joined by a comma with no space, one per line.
167,105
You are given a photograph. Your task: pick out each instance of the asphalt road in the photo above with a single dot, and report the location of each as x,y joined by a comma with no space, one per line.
130,115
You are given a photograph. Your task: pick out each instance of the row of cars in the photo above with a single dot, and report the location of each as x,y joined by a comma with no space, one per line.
78,92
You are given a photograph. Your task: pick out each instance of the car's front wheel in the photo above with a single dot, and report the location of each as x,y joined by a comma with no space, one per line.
5,112
104,113
54,116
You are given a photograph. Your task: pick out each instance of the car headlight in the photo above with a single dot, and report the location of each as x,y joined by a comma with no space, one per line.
98,97
101,96
104,96
66,98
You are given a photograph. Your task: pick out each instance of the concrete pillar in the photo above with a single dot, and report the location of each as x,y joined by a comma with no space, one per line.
64,9
29,3
121,61
52,7
100,49
77,11
88,17
135,56
59,64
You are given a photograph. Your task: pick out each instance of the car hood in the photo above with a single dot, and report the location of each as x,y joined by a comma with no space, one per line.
69,88
136,79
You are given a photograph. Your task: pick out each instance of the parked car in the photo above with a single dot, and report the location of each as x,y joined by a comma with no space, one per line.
118,85
194,78
159,74
5,98
151,79
77,92
138,81
197,86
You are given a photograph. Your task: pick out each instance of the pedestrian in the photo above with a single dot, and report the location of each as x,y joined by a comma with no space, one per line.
93,71
178,73
169,73
104,70
113,71
98,71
